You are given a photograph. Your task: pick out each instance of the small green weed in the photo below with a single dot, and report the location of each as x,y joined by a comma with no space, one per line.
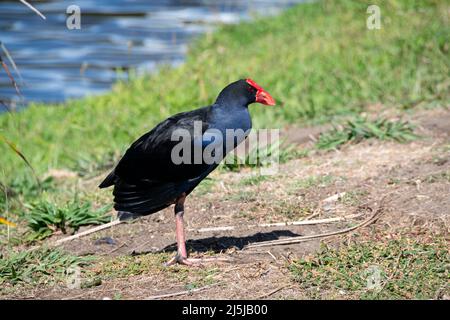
45,217
362,128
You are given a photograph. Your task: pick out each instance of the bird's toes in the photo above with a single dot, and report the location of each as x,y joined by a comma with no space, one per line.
171,262
184,261
195,262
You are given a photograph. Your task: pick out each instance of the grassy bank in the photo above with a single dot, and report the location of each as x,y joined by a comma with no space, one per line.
319,60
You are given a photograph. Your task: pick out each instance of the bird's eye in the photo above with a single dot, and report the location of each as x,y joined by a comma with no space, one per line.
251,89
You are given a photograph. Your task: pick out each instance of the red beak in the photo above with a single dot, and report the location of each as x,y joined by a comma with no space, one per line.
262,96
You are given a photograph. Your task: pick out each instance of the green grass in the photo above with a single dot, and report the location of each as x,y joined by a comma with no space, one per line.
291,210
42,266
312,181
23,187
257,157
353,197
206,186
326,63
128,266
396,269
438,177
254,180
242,196
354,131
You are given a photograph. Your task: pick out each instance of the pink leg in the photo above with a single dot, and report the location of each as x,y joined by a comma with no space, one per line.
181,256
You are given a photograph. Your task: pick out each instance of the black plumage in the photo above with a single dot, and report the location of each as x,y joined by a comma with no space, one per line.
146,180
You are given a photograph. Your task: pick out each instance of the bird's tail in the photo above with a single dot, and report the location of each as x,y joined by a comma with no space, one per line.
143,199
109,180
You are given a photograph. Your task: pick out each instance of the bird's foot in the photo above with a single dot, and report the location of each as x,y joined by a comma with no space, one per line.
183,260
198,262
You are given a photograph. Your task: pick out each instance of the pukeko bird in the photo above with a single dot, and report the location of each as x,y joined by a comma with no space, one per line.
147,179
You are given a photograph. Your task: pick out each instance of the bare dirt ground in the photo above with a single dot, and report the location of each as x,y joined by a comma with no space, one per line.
412,179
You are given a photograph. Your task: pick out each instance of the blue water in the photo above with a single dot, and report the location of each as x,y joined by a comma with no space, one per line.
57,63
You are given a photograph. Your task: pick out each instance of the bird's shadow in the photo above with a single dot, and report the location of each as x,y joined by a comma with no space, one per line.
219,244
